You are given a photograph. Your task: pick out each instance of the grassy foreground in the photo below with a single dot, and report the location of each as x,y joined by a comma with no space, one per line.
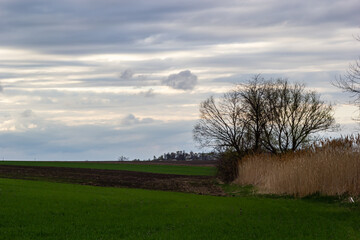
44,210
168,169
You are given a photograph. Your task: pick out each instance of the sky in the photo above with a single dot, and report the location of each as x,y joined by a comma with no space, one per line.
95,80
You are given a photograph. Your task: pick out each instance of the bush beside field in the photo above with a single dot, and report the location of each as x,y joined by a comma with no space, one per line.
330,167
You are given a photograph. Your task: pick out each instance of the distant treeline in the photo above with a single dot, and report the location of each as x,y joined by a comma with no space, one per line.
184,156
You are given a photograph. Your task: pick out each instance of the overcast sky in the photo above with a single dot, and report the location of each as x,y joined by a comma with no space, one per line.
94,80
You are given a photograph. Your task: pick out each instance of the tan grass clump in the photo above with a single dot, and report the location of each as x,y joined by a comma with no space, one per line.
329,167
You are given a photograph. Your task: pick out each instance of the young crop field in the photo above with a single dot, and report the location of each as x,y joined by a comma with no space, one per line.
45,210
166,169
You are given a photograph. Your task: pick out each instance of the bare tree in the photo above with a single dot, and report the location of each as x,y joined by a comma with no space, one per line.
222,124
293,114
350,81
262,115
253,95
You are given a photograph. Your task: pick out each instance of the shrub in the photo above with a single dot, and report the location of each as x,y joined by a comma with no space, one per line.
228,166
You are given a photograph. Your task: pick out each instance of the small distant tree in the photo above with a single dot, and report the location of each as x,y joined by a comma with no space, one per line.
122,158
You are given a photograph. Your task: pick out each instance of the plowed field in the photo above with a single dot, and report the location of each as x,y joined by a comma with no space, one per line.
115,178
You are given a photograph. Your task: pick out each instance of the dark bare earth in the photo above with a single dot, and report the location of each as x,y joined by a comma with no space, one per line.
116,178
200,163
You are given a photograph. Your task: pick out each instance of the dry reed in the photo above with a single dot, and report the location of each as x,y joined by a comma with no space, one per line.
329,167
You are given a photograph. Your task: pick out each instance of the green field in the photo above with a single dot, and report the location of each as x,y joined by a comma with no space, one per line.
43,210
169,169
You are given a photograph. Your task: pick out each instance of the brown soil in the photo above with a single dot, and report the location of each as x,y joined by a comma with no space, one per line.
202,163
116,178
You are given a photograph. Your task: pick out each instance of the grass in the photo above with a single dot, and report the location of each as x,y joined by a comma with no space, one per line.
331,168
168,169
237,190
43,210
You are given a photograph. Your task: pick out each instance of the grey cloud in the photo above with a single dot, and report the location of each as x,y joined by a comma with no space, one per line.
59,142
319,81
184,80
46,24
27,113
78,27
127,74
149,93
127,77
131,120
71,27
19,121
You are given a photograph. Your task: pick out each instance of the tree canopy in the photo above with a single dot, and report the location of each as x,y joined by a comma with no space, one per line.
262,115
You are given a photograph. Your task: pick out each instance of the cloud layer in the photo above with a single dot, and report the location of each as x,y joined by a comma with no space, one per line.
74,73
